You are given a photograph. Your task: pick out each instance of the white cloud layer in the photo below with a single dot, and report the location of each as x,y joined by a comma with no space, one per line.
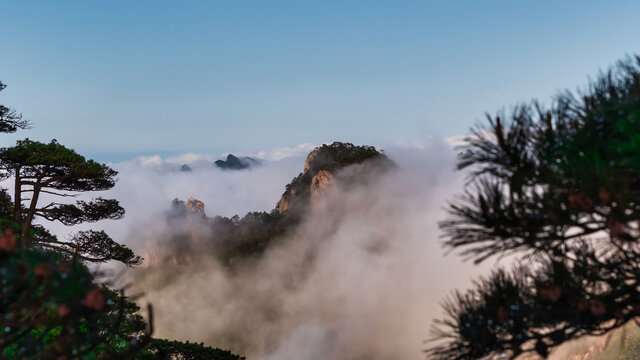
377,276
371,291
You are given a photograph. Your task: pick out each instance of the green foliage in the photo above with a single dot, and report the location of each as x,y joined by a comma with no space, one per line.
82,211
52,307
56,166
6,205
248,237
97,246
560,187
331,158
231,240
338,155
53,169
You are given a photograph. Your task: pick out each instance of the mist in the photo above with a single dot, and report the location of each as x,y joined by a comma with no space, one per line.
361,277
146,186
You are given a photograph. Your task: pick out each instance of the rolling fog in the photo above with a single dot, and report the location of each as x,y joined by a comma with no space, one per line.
361,278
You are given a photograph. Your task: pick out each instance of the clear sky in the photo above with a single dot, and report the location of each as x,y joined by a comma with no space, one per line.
119,78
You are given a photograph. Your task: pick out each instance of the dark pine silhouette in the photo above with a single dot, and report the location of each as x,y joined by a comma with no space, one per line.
558,188
10,120
52,169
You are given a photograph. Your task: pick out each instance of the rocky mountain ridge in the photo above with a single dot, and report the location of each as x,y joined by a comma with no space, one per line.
250,235
317,178
236,163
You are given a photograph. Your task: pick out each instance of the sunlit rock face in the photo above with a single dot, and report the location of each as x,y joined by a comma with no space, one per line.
322,185
317,178
285,200
192,208
195,206
309,159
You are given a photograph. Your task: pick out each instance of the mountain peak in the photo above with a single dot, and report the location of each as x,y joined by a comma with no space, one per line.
317,178
235,163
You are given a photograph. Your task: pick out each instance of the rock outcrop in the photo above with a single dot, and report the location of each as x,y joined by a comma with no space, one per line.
285,200
322,184
243,238
312,155
195,206
317,179
236,163
180,209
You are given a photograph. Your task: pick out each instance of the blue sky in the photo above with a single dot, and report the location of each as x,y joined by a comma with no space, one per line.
114,79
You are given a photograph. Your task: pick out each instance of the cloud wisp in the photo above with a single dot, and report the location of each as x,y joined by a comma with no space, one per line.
361,277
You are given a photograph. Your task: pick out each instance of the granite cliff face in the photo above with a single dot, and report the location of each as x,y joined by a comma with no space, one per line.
285,200
189,208
317,179
195,206
312,155
322,184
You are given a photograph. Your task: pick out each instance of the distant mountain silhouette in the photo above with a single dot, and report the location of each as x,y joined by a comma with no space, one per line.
236,163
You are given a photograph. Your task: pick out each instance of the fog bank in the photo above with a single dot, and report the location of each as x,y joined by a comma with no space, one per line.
361,278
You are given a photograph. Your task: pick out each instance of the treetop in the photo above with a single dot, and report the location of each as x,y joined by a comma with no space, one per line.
57,166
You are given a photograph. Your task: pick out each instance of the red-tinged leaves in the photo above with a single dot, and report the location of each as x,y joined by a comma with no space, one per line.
503,315
94,299
583,305
42,270
63,310
550,293
8,241
597,308
615,228
604,195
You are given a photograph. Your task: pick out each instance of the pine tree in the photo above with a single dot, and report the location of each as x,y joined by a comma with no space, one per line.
10,120
51,304
559,189
53,169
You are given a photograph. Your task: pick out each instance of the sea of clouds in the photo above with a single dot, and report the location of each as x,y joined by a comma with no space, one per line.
362,277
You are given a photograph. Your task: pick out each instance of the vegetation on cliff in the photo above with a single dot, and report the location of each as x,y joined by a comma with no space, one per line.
327,158
237,239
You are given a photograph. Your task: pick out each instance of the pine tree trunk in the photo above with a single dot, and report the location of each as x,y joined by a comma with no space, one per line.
17,195
26,226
